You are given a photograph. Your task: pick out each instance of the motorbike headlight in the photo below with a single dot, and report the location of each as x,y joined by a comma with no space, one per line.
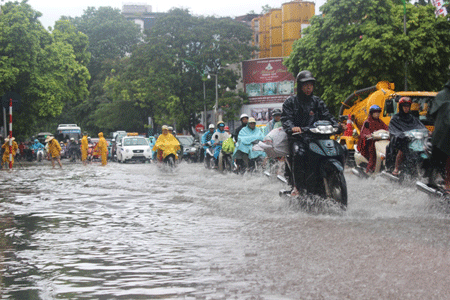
193,149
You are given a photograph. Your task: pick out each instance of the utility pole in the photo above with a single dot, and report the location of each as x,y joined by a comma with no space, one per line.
404,32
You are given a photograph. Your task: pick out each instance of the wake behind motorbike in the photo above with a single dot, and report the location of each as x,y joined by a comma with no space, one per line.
416,159
381,138
324,164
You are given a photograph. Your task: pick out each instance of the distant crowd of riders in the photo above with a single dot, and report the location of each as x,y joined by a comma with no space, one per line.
298,115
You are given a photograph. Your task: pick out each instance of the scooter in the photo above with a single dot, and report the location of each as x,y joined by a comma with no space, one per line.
39,154
381,138
226,163
415,161
209,160
324,164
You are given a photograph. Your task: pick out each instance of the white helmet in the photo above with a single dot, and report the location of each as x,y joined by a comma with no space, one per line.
243,116
211,126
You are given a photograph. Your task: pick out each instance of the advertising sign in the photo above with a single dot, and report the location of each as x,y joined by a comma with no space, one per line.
267,80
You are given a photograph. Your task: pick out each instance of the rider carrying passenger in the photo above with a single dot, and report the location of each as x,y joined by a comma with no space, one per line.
366,145
248,136
400,123
302,110
218,138
166,144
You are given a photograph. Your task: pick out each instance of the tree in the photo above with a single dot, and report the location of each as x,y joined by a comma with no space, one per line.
165,73
38,65
356,43
111,37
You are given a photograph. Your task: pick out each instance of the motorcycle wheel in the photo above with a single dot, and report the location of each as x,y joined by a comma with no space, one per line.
170,161
207,162
337,186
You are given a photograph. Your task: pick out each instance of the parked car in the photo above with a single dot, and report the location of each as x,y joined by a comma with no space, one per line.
133,148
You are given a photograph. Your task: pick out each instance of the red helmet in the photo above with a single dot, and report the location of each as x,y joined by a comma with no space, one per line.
227,128
405,101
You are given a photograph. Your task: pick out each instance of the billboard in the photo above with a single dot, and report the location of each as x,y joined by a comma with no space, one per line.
267,80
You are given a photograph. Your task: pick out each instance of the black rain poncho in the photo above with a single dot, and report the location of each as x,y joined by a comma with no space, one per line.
440,111
401,123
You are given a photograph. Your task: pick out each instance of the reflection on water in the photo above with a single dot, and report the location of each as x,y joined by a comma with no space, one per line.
134,232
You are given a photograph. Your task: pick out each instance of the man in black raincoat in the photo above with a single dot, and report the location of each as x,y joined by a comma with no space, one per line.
302,110
400,123
440,111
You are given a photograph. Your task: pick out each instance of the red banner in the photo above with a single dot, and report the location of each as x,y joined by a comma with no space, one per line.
267,80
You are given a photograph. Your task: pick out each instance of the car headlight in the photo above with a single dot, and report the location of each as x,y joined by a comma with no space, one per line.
127,150
148,150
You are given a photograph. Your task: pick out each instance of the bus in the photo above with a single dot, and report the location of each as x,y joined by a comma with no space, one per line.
65,132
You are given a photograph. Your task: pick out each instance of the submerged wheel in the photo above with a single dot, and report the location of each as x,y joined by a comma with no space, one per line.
170,161
207,161
337,188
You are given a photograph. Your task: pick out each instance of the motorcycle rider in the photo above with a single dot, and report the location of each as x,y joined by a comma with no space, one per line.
54,150
84,148
218,138
366,145
302,110
275,122
5,147
440,111
206,137
166,144
244,121
400,123
248,136
36,147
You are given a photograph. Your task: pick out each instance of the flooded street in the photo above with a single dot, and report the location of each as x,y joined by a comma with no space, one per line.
131,231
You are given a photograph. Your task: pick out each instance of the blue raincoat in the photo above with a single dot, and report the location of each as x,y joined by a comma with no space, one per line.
245,139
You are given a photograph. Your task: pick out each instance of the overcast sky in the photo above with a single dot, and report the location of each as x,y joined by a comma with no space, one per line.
52,9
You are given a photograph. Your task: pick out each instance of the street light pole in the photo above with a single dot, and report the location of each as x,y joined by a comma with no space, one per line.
217,103
204,104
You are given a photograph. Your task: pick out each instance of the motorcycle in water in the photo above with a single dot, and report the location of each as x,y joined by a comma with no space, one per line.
226,163
416,159
324,164
39,154
209,160
381,138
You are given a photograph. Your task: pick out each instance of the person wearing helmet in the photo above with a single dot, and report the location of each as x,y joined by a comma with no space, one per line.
275,122
248,136
366,145
302,110
84,148
36,146
166,145
218,138
400,123
244,121
206,137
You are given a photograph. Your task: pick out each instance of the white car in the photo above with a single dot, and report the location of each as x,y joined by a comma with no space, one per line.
133,148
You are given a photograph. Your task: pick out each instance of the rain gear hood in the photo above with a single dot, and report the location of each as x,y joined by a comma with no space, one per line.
402,122
373,125
245,141
167,144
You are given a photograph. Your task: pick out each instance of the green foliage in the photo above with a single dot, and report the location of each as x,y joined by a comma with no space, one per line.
164,74
356,44
40,66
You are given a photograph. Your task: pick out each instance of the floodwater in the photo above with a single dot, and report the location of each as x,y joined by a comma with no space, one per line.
132,231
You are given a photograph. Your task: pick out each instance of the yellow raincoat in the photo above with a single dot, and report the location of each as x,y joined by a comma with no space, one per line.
166,144
5,158
84,148
54,148
102,147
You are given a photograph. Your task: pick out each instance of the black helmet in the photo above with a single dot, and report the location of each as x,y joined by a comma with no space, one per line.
276,112
305,76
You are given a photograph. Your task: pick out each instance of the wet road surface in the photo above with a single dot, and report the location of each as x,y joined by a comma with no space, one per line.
132,231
